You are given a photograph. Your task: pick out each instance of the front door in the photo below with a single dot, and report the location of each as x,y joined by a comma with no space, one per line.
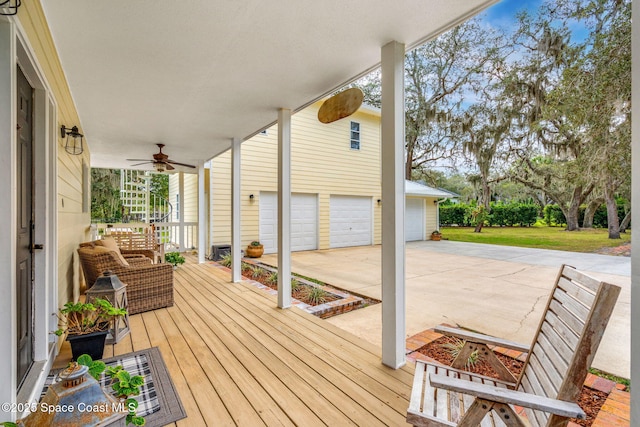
25,227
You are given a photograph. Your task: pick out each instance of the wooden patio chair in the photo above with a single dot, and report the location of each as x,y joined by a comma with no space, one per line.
552,377
139,243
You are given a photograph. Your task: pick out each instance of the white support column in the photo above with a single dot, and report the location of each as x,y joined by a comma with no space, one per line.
284,208
392,153
147,198
635,212
181,211
8,358
202,215
236,270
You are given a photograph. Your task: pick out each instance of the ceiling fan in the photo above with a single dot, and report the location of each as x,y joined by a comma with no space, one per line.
160,161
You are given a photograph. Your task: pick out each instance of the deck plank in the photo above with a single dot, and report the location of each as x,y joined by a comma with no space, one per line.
321,333
325,376
182,383
313,353
236,359
260,354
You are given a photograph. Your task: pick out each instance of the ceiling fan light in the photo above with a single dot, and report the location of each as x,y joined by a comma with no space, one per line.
159,167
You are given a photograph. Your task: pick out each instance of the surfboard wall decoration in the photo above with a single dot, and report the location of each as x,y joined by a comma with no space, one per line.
340,105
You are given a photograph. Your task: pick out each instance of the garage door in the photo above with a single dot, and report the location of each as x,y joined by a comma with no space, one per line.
414,219
350,221
304,222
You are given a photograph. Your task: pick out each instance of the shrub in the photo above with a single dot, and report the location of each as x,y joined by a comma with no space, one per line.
255,271
174,258
272,278
316,296
455,348
510,214
553,215
225,260
453,215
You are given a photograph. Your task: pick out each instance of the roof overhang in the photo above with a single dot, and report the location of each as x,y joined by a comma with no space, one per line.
193,75
416,189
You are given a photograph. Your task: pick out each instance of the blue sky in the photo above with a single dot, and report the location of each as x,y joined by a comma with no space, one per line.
503,15
504,12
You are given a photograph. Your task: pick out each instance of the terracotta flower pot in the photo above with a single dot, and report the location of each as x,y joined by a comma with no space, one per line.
254,251
436,237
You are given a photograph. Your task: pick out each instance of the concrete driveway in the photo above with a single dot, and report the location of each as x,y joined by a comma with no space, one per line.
498,290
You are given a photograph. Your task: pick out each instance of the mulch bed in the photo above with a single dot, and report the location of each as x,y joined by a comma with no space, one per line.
622,250
590,400
300,293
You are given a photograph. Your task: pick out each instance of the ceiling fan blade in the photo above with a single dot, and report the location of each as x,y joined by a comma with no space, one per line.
137,160
180,164
168,167
143,163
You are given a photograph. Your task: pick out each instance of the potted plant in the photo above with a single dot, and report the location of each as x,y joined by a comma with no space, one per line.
87,325
436,235
255,249
174,258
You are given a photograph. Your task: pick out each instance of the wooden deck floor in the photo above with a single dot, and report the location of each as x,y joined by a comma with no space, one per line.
236,359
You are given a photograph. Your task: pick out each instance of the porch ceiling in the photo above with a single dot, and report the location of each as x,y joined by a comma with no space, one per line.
193,75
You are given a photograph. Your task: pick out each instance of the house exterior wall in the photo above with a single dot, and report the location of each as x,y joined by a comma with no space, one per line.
73,220
190,197
61,196
431,216
322,163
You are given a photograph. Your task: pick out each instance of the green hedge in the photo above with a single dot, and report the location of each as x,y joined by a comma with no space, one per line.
553,215
522,214
454,215
501,214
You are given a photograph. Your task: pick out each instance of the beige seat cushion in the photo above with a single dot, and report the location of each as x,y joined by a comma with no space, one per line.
109,243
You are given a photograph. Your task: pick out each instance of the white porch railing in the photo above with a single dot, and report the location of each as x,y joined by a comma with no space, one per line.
176,236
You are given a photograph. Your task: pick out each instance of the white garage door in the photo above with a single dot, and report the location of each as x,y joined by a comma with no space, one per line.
304,222
350,219
414,219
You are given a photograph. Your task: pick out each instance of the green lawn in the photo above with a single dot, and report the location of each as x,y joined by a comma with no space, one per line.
537,237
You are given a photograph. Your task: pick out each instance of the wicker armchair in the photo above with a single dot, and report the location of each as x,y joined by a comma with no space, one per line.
149,286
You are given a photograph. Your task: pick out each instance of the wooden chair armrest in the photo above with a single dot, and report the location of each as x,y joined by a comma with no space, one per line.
481,338
512,397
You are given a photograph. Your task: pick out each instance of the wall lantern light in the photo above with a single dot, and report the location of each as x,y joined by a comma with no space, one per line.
379,201
9,7
251,196
73,144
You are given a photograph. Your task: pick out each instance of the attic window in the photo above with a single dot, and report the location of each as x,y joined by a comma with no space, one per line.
355,135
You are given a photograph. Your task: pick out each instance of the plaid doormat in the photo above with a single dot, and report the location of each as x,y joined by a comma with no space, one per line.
158,400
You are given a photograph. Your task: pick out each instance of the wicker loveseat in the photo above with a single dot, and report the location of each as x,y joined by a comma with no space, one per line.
149,286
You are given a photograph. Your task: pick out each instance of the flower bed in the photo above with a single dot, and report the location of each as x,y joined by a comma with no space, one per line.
318,299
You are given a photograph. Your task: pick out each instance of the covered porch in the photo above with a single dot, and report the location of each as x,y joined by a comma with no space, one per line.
236,359
203,83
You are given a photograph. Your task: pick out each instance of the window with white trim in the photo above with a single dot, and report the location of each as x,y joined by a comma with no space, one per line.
355,135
